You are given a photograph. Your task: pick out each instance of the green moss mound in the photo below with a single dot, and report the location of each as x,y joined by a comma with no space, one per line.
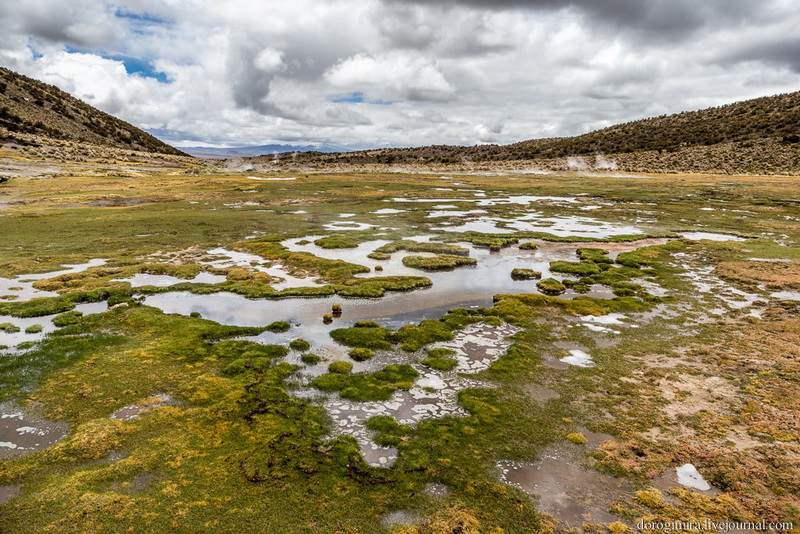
441,262
551,286
525,274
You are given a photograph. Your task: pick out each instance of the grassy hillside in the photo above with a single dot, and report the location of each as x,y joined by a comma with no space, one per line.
28,106
754,136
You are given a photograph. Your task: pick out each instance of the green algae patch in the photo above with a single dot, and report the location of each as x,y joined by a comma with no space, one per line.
365,387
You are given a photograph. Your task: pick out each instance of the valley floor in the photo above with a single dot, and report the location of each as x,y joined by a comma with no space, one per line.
186,349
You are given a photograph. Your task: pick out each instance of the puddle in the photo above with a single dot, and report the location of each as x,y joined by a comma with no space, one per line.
786,295
163,280
387,211
687,476
716,291
348,225
284,280
565,489
271,179
22,432
578,358
711,236
436,491
132,411
561,226
453,213
401,518
12,339
20,288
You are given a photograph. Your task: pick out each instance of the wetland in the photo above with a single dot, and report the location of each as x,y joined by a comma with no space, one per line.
186,350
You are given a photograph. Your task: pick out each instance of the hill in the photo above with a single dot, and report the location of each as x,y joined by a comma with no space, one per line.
753,136
30,107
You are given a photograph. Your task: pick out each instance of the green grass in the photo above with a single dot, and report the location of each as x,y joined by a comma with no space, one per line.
582,268
440,363
365,387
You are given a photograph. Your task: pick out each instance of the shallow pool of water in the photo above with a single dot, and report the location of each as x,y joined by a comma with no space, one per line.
20,288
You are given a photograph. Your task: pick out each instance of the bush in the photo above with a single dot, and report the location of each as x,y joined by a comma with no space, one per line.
528,246
33,329
9,328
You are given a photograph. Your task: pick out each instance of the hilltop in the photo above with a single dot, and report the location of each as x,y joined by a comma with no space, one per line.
753,136
31,110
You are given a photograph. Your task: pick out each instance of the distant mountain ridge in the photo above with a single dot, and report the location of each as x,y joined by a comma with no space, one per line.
28,106
260,150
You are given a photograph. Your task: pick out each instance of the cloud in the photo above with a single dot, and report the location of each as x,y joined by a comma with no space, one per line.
400,72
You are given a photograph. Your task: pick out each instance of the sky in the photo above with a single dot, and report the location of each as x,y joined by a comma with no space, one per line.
374,73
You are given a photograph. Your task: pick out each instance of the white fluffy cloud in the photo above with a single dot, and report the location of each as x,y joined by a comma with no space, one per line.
399,72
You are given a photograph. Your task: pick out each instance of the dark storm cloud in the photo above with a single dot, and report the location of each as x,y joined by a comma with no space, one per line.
775,50
663,17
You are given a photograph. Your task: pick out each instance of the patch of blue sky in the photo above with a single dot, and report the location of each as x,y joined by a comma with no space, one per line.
142,18
357,97
133,65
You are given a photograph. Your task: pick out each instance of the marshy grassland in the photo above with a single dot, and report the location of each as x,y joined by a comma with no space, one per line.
693,344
